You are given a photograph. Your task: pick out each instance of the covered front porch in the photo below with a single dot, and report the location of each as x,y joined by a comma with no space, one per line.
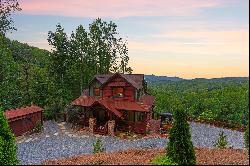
101,120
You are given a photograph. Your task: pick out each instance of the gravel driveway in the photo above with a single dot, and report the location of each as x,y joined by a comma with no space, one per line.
54,144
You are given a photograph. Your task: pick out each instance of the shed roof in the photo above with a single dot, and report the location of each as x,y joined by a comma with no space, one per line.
14,113
84,101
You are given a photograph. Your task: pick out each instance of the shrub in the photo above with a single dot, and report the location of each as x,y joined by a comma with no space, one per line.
180,147
98,146
246,137
73,115
221,141
48,114
53,112
7,143
206,116
163,160
38,128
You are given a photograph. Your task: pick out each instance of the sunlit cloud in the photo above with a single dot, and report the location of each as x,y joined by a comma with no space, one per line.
185,38
206,42
117,8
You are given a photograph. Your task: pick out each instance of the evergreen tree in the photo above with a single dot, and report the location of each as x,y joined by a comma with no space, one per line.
180,148
222,141
98,147
7,143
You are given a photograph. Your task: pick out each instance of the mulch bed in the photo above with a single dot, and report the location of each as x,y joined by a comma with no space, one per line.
204,156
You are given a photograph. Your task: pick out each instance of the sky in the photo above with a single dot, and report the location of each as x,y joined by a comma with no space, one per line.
183,38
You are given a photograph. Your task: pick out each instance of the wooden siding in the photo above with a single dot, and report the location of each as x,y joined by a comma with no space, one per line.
129,90
94,84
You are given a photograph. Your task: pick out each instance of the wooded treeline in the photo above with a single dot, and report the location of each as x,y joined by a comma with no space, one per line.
224,101
53,79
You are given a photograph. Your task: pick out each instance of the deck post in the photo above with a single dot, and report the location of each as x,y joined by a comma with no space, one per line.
92,122
111,127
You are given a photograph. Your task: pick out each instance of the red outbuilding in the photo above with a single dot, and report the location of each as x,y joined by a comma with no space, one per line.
23,120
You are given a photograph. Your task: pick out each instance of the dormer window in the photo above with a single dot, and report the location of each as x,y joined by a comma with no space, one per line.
97,91
118,92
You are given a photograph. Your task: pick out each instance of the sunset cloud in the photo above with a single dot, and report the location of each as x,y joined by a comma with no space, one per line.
117,8
185,38
206,42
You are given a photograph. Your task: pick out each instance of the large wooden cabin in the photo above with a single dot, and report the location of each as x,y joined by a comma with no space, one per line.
118,98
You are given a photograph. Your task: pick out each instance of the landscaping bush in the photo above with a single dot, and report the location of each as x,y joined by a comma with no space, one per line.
98,146
73,115
54,112
180,147
38,128
48,114
246,137
7,143
163,160
222,141
206,115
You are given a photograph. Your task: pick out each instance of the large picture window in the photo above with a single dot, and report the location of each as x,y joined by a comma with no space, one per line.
118,92
97,91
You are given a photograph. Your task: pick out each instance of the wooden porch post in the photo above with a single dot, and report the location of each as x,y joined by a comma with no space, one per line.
110,116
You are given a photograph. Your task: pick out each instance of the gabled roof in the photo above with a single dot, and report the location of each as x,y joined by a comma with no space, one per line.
14,113
136,80
109,105
102,78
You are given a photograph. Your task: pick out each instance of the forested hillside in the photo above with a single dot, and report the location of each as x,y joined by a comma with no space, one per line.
218,100
23,70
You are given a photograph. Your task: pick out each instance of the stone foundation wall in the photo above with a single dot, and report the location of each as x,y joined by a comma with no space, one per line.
153,126
111,127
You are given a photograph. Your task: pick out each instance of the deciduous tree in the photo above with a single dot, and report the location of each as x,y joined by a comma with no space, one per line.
7,7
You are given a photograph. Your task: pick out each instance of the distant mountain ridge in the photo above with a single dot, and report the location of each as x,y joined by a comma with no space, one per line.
154,78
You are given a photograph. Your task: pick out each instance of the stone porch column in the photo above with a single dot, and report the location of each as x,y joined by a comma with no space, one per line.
148,127
111,127
92,122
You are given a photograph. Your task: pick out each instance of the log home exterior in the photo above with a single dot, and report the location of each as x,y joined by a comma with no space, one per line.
118,98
